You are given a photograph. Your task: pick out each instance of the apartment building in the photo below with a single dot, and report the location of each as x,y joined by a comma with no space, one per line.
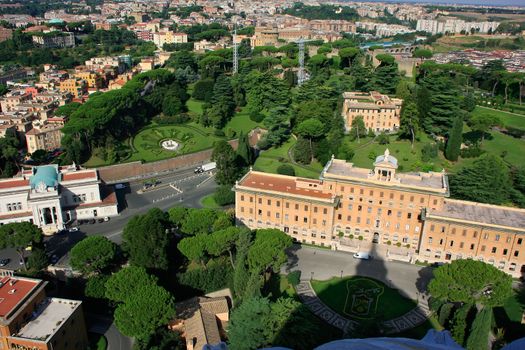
454,25
76,87
380,112
47,137
409,214
54,40
169,37
50,196
30,320
93,80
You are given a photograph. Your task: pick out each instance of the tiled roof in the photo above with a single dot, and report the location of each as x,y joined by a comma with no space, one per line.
282,184
79,175
13,183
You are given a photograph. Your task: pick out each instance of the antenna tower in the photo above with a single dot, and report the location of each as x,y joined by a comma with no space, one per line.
300,74
235,51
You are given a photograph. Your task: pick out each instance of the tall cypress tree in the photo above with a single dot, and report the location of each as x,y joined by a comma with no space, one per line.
455,137
222,102
244,151
386,75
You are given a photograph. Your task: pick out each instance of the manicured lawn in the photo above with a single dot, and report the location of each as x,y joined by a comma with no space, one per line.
349,297
420,331
194,107
499,143
409,159
97,341
508,119
269,160
240,122
209,202
513,308
192,138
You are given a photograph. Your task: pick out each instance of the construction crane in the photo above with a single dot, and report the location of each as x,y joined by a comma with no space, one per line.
302,75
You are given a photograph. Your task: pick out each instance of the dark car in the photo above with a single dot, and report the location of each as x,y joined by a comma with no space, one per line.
4,262
92,221
100,220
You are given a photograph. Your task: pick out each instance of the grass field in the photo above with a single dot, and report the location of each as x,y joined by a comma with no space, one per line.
348,297
209,202
192,138
508,119
269,160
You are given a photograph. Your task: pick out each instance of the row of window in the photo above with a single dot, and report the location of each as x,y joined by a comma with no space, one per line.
14,206
286,204
486,235
494,250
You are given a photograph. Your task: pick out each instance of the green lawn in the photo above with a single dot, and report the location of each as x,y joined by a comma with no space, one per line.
409,159
508,119
269,160
511,147
193,138
344,296
194,107
209,202
97,341
241,122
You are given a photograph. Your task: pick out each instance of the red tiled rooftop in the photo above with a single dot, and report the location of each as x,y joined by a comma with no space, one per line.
79,175
13,183
109,199
282,184
16,215
11,295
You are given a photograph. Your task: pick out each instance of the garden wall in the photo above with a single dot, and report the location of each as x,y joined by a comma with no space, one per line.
137,170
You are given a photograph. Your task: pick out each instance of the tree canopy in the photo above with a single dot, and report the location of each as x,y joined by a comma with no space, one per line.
470,281
19,236
93,254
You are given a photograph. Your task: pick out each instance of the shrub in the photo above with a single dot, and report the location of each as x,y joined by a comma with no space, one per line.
218,132
294,278
398,244
471,152
435,304
96,287
429,152
340,233
224,195
286,169
163,119
389,242
515,132
351,236
37,260
257,116
360,238
444,314
218,274
203,89
372,155
383,139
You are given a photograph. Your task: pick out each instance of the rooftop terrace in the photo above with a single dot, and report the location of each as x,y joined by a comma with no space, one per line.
51,313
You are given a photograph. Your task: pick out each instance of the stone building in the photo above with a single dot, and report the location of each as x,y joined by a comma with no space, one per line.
380,112
408,214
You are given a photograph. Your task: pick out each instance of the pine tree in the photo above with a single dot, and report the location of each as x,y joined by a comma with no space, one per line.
244,150
455,137
222,102
386,75
444,103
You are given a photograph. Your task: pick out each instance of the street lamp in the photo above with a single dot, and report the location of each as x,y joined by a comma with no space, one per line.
341,273
311,275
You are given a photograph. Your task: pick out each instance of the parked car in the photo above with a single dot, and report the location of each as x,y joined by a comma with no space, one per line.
100,220
73,229
106,218
92,221
4,262
362,256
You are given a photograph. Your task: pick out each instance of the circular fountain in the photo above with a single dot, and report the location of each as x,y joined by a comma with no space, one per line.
170,145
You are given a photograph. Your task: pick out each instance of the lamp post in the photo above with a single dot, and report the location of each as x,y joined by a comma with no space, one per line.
341,273
311,275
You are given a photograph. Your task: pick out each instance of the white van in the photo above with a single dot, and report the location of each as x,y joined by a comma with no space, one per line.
362,256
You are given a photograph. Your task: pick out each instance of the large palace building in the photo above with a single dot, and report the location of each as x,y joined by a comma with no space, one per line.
51,196
379,112
406,215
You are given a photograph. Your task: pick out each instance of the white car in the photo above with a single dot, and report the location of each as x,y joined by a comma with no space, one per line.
73,229
362,256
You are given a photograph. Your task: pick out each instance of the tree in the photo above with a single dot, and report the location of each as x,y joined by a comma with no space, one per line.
19,236
144,310
93,254
146,239
203,89
349,56
277,123
225,157
487,180
422,54
38,260
248,328
459,323
222,102
482,123
199,221
357,128
96,286
302,151
409,121
310,129
244,150
177,215
123,283
424,103
386,75
193,248
454,140
267,253
469,281
224,195
223,241
479,334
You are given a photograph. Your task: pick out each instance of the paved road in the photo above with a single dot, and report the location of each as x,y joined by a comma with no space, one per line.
323,264
104,325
